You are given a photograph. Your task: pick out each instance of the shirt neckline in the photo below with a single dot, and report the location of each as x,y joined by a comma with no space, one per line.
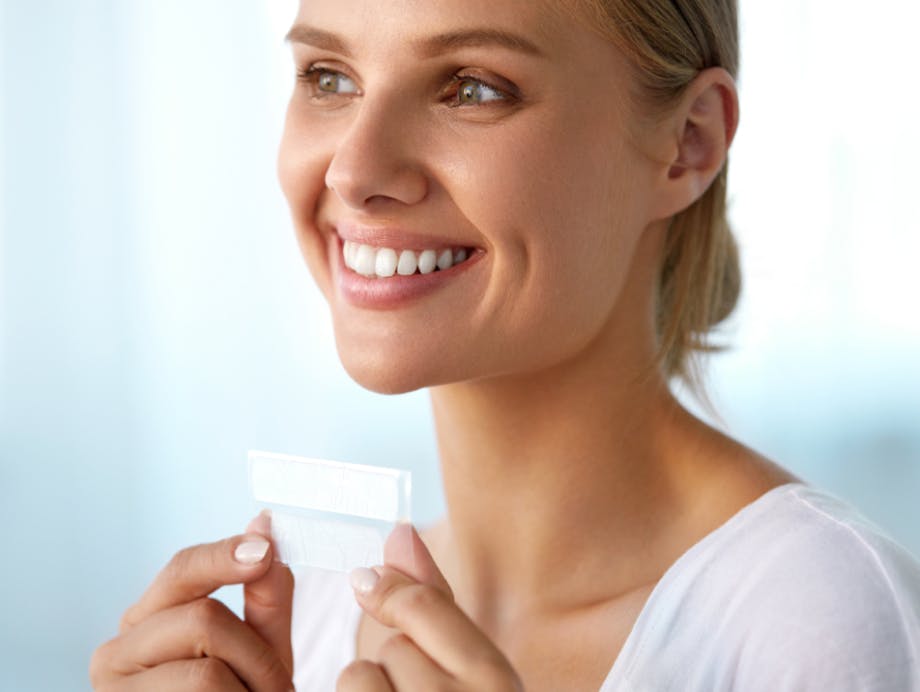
632,642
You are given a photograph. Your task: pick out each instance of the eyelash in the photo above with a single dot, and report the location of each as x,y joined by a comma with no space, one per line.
458,79
311,75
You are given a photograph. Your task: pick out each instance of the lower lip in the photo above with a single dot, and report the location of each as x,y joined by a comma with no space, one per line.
394,291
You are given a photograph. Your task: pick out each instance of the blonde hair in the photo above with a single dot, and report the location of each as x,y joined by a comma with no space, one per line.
668,43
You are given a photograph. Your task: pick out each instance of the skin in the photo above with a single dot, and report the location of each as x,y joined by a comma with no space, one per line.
573,477
176,637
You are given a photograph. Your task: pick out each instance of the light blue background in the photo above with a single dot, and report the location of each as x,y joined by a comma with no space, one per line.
156,320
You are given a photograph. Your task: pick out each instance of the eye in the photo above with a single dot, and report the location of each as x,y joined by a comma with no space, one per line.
325,82
474,92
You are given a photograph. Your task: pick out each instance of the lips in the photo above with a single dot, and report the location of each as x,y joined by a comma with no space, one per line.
398,238
392,292
384,262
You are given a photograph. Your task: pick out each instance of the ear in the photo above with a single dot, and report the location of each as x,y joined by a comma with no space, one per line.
699,133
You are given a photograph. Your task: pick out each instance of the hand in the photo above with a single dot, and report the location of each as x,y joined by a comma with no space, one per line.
177,638
438,647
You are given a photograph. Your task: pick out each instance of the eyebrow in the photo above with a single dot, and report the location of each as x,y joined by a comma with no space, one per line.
427,47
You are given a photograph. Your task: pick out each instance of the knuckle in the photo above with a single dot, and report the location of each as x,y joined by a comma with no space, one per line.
99,663
420,597
207,612
128,619
208,674
400,603
410,603
356,674
206,615
393,645
271,666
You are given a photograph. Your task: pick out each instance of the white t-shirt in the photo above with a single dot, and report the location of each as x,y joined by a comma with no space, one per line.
797,591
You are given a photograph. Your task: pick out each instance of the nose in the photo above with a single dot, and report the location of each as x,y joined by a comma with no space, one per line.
376,159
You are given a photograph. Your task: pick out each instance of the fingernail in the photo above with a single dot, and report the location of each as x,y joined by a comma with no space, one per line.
250,552
363,580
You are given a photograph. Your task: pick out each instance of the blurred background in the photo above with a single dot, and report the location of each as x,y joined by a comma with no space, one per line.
156,319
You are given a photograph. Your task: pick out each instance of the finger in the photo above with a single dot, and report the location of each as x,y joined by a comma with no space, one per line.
202,628
197,675
267,608
363,676
405,550
407,666
197,571
428,616
261,523
268,600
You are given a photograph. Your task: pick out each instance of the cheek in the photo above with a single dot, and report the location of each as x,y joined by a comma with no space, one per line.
563,210
301,172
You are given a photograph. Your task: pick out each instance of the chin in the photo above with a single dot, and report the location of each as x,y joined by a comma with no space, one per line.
378,372
381,382
388,357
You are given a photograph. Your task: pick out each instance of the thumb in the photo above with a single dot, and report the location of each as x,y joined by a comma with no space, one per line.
405,551
267,600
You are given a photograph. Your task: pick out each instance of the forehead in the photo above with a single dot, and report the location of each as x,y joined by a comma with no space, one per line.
548,26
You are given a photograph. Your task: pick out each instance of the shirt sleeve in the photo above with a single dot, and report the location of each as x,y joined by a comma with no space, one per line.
841,616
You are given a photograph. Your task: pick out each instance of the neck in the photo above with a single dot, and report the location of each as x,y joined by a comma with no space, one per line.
548,475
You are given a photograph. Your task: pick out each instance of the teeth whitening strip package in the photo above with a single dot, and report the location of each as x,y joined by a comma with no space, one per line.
328,514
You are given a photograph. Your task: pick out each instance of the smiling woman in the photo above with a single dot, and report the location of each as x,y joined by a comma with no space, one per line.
520,206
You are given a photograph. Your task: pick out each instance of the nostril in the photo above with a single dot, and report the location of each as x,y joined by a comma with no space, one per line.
363,177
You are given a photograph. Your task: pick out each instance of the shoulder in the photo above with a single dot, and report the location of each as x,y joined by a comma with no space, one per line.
798,591
323,627
823,598
811,547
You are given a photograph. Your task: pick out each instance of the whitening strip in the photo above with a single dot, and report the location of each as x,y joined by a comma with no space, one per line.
329,514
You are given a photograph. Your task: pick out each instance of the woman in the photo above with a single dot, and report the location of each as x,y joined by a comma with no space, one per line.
520,205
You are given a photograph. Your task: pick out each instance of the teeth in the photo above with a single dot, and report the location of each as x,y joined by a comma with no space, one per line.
408,263
349,249
365,260
384,262
427,261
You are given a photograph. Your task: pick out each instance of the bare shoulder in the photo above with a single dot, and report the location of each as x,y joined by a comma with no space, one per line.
712,477
719,475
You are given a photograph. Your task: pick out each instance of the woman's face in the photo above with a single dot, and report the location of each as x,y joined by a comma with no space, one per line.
501,128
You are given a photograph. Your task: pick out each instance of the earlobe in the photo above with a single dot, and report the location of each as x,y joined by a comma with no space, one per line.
706,122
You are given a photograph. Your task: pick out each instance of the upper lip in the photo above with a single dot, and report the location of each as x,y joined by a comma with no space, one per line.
395,237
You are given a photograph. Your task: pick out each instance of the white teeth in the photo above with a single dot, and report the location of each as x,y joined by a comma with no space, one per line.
408,263
372,261
427,261
348,249
365,260
386,262
445,260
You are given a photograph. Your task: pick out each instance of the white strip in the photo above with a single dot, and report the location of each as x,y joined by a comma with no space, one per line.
369,492
335,544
